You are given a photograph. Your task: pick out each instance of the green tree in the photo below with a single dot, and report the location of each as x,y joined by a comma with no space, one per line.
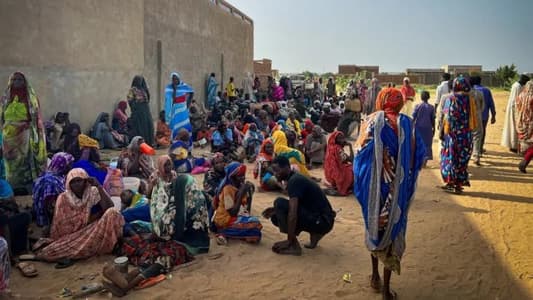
506,75
309,75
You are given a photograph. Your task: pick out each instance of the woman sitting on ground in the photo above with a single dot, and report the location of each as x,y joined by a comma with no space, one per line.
120,118
14,223
60,122
338,167
263,171
233,205
76,232
133,162
315,146
48,187
85,152
281,148
105,135
252,141
162,134
181,152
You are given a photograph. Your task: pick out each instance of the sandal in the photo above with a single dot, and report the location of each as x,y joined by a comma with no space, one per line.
149,282
221,240
64,263
27,269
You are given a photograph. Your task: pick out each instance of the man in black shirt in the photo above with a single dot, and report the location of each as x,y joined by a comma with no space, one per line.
307,209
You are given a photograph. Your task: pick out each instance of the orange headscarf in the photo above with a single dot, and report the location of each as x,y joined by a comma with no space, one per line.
390,100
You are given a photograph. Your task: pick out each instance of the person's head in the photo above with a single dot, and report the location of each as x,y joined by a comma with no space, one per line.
269,109
222,127
77,182
183,135
330,80
135,144
246,96
406,81
317,131
308,125
461,84
175,79
104,118
61,163
162,116
73,130
268,147
475,80
139,82
291,136
390,100
212,75
375,82
446,76
218,161
424,96
236,173
18,80
523,79
231,79
126,197
122,105
252,127
281,168
219,94
192,109
59,118
292,115
164,165
327,109
143,187
340,139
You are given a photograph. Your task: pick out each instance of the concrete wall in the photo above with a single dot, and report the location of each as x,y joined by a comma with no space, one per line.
80,56
195,35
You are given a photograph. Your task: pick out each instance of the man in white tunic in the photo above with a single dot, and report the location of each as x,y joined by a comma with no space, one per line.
248,85
509,135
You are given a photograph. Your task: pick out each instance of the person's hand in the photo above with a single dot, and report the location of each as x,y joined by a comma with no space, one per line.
493,120
93,182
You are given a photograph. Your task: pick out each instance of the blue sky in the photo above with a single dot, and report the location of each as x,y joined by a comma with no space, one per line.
318,35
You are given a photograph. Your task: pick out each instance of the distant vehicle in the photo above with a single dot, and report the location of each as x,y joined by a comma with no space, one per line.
300,84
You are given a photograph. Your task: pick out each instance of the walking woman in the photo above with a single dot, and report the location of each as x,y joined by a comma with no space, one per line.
457,121
24,146
524,125
140,122
389,156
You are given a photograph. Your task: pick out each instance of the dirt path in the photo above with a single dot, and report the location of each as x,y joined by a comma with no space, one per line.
475,246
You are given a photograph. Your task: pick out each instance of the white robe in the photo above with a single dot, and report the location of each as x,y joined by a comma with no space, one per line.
248,85
509,135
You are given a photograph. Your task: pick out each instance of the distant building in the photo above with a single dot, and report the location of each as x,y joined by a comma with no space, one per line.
427,76
397,78
462,69
354,69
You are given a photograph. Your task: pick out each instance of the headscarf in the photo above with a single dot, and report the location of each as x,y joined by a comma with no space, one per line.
134,144
72,198
232,169
99,119
21,93
216,156
309,123
122,105
161,161
140,83
60,163
262,152
86,142
461,84
390,100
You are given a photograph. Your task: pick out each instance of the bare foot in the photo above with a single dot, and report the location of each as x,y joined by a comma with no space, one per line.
287,248
389,295
375,283
313,240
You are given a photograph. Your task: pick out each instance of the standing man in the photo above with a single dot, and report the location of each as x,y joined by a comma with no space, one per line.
307,209
489,107
231,91
408,93
477,133
331,88
370,105
509,135
442,89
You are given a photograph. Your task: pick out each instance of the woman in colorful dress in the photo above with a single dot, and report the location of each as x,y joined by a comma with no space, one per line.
457,121
24,147
162,133
524,125
388,157
263,171
120,118
215,174
233,205
177,95
140,122
75,232
338,167
49,186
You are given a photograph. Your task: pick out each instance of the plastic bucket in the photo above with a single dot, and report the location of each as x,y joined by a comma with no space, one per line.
131,183
146,149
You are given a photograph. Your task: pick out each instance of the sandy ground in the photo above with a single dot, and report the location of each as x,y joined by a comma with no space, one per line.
475,246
